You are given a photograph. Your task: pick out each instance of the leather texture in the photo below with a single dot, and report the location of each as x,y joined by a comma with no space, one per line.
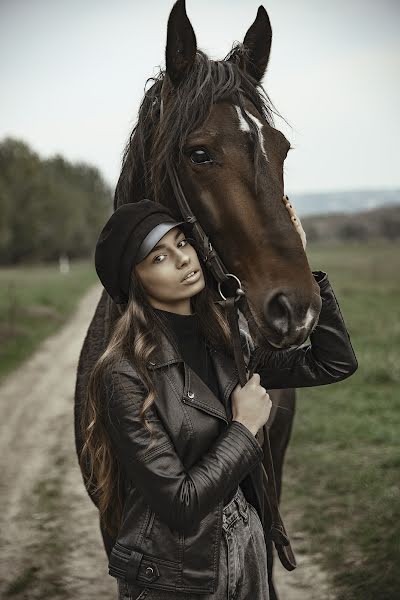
171,530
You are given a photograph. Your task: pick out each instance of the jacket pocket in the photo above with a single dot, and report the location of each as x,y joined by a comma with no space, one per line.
149,524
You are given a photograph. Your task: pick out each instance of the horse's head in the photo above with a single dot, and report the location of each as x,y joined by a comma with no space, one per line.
216,127
231,170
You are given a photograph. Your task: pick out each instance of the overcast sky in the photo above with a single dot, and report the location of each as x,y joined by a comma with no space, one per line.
73,73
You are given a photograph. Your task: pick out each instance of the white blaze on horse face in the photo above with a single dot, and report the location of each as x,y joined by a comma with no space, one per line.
244,126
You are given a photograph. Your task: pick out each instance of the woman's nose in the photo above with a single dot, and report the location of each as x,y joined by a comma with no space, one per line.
183,258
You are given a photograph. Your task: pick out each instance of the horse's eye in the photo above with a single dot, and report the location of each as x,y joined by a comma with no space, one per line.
200,156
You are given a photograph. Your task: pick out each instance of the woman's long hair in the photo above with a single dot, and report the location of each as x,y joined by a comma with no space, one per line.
134,337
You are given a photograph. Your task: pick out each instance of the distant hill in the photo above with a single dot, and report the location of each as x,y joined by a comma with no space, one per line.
348,202
378,223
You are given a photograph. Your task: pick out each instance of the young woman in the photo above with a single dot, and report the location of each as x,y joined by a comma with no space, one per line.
170,469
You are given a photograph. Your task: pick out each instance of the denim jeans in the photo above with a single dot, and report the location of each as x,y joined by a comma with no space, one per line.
243,561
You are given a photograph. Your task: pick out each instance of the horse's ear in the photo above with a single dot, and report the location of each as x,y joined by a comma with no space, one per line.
181,46
257,46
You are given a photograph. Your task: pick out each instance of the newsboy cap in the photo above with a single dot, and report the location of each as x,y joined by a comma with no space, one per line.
128,236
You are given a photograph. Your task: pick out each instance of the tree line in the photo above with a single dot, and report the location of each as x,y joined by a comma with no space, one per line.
381,223
48,207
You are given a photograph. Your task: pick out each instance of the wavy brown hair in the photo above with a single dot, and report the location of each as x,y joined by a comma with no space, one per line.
134,337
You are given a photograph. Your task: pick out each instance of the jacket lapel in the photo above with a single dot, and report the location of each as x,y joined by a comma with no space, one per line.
227,376
195,392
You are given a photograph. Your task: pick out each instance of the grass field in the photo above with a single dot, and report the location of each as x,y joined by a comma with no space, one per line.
341,476
34,302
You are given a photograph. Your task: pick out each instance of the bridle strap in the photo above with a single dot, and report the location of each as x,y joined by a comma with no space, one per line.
231,306
277,531
208,254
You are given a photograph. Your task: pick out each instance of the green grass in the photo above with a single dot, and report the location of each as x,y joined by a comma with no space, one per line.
342,468
34,302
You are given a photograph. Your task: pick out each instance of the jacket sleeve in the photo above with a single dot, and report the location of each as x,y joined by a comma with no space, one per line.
180,497
329,358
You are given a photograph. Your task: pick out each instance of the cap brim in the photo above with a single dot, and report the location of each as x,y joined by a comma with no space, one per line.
155,236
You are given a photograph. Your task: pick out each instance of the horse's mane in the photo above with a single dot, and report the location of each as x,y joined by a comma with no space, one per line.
153,143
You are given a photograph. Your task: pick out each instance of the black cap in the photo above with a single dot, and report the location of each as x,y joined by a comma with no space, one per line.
128,236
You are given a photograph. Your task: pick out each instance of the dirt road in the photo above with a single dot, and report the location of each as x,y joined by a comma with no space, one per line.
50,543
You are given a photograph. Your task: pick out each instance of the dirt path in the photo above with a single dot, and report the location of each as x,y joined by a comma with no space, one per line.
307,581
50,543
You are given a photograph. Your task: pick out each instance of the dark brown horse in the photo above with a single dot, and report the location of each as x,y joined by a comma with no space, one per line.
213,121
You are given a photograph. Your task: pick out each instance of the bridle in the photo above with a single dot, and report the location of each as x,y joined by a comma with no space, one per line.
231,305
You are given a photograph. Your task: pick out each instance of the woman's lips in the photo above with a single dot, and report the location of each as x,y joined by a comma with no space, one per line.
193,278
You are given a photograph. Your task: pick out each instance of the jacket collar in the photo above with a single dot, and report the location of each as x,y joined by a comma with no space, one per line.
164,354
225,371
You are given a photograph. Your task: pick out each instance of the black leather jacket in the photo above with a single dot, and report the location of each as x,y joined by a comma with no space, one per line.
171,530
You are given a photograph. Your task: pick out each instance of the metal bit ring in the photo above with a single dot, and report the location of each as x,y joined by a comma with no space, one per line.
239,291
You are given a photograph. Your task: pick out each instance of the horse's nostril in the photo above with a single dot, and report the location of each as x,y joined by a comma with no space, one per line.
278,313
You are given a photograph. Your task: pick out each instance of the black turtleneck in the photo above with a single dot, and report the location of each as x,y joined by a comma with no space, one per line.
195,353
192,345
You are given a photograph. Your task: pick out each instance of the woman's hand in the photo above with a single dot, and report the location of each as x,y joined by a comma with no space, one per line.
251,404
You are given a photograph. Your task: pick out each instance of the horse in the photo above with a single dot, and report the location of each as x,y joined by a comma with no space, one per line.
213,122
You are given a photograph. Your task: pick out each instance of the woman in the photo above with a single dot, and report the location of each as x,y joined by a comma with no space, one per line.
170,469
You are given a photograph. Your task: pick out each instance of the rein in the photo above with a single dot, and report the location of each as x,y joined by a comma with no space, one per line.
232,305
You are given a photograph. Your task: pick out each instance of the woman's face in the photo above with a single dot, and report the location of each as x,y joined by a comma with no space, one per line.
163,269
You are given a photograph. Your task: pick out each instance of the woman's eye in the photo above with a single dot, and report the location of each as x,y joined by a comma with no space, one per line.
200,156
159,255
